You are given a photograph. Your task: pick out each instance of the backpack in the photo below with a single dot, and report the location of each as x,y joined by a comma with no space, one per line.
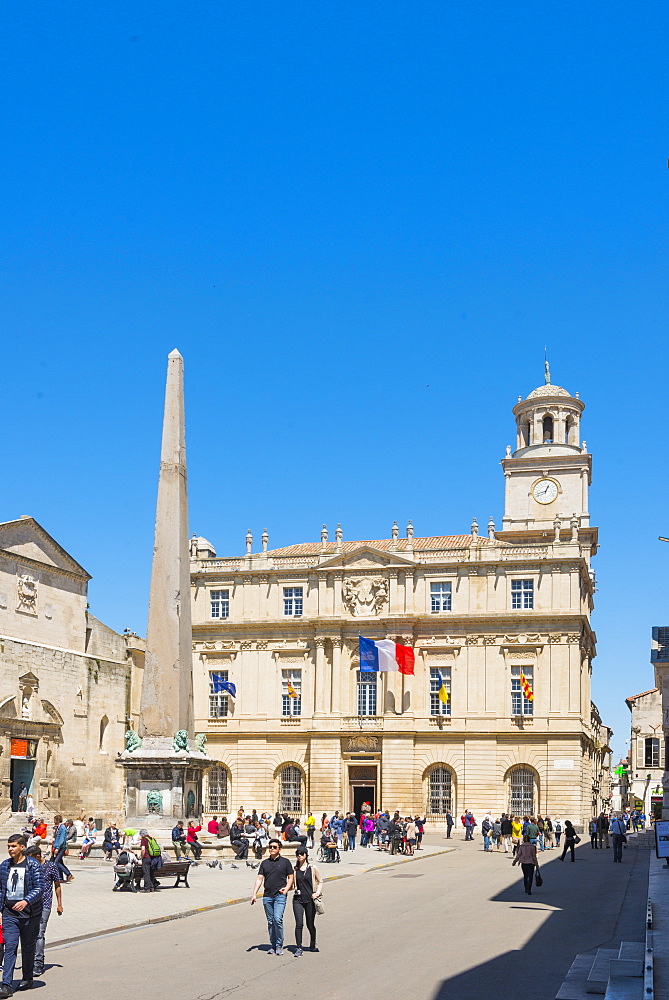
153,847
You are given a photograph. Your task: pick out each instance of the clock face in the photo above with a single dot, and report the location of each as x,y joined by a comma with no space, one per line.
545,491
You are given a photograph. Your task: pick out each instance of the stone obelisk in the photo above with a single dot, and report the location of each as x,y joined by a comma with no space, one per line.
167,688
164,765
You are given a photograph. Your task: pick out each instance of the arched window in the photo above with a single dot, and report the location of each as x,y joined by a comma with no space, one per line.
217,790
548,430
439,791
567,430
521,792
290,790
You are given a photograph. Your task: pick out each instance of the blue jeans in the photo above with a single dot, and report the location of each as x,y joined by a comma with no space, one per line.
274,907
486,842
24,930
351,842
617,846
58,861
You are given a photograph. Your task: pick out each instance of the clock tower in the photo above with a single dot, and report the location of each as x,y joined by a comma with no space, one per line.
548,475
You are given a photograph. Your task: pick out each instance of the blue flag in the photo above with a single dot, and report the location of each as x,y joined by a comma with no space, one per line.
219,684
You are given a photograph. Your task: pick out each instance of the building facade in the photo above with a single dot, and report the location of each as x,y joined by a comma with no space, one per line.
66,679
647,751
497,617
659,657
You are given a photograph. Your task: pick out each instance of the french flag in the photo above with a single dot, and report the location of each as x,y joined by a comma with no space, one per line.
384,654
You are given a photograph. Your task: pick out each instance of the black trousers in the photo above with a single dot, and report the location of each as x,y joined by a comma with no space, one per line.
593,840
24,930
304,909
528,875
149,872
568,845
242,847
196,848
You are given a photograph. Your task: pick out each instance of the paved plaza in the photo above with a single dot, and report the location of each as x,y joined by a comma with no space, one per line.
444,925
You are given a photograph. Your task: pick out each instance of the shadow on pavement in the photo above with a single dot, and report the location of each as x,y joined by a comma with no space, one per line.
597,903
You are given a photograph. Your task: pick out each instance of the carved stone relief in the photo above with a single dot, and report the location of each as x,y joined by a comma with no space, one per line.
365,596
27,594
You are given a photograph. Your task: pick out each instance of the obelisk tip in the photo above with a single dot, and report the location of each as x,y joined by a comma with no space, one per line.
175,354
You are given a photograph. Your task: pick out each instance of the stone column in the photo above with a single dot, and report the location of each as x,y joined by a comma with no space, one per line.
321,676
337,679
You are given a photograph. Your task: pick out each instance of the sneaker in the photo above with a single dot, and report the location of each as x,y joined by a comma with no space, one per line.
279,951
25,984
314,948
5,991
297,952
271,952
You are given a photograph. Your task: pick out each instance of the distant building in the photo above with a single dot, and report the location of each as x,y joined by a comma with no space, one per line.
497,618
65,681
647,752
659,657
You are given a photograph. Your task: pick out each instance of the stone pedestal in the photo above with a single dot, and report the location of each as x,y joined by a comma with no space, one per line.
163,785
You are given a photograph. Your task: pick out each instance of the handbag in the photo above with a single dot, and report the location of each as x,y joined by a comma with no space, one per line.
320,905
537,878
577,839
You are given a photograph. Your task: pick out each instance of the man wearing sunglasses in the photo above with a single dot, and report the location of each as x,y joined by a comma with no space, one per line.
277,874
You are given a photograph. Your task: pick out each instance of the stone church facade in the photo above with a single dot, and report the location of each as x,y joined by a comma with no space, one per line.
308,731
66,682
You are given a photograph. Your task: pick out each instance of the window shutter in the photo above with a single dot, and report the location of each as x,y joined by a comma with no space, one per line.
640,753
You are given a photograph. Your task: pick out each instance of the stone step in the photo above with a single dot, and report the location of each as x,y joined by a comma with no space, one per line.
633,950
632,967
624,988
574,986
599,974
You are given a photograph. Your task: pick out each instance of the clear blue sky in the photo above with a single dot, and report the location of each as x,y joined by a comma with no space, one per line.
359,222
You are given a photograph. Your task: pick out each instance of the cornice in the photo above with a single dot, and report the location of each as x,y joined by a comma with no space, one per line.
42,566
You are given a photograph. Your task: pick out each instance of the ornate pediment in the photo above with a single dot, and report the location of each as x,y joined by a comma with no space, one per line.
27,542
366,558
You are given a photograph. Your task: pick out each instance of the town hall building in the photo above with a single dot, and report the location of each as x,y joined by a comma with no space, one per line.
502,617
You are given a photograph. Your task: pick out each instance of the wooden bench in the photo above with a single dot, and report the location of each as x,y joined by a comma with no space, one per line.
178,868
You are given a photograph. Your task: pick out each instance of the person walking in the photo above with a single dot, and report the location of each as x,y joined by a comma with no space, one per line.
420,830
23,797
486,830
497,834
149,860
351,830
592,830
603,830
548,834
60,846
308,888
51,885
21,893
531,830
449,823
618,829
277,875
411,836
526,857
516,833
557,828
469,823
310,827
507,831
570,840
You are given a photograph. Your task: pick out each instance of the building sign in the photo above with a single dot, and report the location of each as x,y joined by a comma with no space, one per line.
662,838
23,749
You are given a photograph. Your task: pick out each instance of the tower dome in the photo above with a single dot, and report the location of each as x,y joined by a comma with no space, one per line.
548,419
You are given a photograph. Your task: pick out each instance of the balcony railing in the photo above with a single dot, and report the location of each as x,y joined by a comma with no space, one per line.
362,722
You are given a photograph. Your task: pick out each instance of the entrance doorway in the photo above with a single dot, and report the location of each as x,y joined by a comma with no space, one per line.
361,794
21,770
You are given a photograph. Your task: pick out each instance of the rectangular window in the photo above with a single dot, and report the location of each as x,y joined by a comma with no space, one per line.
366,692
291,704
220,603
522,595
520,705
440,597
651,752
218,701
437,706
292,602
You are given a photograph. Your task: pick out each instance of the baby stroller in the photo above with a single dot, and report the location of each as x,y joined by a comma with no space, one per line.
124,872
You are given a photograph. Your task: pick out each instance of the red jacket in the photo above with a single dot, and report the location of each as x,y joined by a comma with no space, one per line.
190,833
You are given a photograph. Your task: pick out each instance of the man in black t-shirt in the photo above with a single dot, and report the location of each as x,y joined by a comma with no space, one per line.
277,874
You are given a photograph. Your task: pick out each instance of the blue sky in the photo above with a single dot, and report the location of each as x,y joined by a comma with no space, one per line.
359,223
